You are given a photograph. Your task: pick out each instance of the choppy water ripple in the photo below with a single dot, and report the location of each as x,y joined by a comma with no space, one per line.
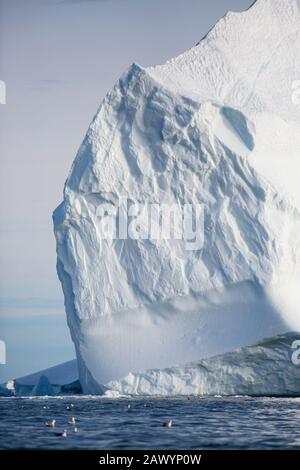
198,423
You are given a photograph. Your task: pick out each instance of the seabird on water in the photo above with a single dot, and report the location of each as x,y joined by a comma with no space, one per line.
62,434
167,424
51,424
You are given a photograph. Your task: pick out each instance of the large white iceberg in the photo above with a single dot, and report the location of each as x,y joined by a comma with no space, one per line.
216,127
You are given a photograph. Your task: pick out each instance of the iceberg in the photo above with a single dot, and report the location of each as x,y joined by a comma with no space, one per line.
58,380
218,128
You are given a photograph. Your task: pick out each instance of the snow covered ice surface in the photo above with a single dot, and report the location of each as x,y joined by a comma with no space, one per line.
216,126
264,369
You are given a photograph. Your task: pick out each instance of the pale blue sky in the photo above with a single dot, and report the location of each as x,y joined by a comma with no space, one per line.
58,59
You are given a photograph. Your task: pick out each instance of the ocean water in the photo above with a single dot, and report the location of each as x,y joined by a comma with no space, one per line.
137,423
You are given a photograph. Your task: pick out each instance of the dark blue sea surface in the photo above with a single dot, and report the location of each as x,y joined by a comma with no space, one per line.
137,423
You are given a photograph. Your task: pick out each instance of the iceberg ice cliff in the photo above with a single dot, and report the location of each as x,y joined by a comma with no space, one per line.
218,127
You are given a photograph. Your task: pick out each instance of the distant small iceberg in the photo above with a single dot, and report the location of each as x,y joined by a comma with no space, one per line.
58,380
